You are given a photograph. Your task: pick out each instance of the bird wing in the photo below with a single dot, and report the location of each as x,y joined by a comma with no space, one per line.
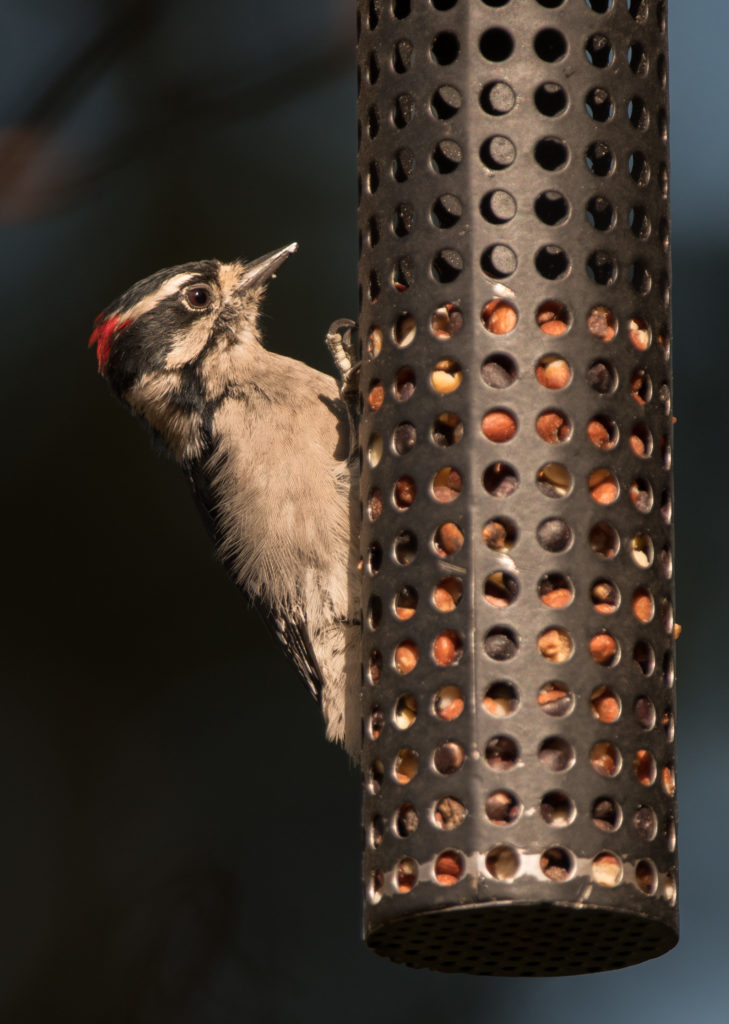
293,635
291,631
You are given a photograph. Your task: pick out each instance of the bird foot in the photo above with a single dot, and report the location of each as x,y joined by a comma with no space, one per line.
344,353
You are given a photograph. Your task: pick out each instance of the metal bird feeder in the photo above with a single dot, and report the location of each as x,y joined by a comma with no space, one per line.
518,694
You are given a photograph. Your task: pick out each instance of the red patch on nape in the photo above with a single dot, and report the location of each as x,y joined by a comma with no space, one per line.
102,336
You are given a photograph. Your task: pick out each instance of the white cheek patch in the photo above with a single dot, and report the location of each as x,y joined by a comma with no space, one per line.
188,344
152,392
154,398
163,292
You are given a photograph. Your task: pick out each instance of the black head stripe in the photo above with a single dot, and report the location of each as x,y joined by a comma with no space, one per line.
202,269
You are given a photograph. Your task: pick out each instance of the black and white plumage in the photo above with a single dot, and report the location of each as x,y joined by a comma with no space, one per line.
267,444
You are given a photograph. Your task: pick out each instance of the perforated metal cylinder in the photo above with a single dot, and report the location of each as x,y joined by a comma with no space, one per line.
519,807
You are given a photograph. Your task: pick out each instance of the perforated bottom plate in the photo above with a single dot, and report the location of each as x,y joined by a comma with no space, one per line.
534,940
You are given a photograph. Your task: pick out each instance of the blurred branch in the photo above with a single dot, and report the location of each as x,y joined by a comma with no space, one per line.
253,97
21,144
73,81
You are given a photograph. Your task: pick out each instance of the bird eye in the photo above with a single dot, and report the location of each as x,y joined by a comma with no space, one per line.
198,298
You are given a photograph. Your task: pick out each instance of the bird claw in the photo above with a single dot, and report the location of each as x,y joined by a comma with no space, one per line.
344,353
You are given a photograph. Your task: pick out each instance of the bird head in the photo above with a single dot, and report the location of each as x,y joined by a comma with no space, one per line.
170,345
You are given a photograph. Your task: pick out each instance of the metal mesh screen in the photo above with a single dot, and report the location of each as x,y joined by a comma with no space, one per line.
519,808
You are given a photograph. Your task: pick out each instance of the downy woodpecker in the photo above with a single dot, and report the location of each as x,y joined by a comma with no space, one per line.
268,446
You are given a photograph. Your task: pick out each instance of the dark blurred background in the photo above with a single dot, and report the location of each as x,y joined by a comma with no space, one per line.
178,842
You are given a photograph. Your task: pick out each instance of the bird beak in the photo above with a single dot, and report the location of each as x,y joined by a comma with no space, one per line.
260,270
